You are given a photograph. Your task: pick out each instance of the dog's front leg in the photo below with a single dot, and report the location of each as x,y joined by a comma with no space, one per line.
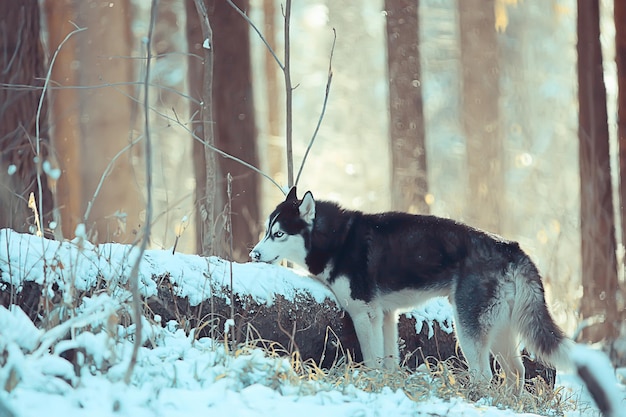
390,336
368,324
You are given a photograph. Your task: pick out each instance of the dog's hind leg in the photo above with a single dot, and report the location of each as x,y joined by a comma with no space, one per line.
476,352
505,349
390,336
474,342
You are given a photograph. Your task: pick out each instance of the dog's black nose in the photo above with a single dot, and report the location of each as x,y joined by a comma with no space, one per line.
255,256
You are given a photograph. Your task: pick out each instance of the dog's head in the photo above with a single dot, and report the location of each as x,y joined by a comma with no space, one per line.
286,231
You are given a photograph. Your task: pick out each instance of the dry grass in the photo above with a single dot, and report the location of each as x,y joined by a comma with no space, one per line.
434,378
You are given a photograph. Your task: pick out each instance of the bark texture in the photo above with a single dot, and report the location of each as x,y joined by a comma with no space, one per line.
480,92
235,127
599,275
22,71
409,183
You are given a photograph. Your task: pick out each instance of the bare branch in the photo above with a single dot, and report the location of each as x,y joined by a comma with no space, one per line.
251,23
105,174
207,129
176,121
134,275
229,220
18,87
37,124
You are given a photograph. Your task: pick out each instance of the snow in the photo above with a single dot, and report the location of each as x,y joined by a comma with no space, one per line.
177,374
52,173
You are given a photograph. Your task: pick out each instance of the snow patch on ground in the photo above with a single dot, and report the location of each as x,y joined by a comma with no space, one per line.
182,376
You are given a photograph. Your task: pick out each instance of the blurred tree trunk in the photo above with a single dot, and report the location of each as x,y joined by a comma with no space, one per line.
235,128
105,123
275,148
480,92
22,64
65,116
620,60
599,275
409,181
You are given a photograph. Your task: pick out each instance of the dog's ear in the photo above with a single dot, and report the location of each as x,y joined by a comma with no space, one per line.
307,208
292,194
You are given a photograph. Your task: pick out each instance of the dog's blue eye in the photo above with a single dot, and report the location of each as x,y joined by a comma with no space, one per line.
278,234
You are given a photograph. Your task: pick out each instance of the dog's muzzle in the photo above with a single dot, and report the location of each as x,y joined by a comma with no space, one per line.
255,256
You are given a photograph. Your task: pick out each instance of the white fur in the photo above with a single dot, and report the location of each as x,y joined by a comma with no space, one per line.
376,322
274,249
307,208
368,322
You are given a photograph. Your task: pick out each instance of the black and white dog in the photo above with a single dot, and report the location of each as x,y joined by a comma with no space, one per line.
380,264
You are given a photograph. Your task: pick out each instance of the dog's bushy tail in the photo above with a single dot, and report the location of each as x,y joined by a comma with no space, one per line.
540,334
543,337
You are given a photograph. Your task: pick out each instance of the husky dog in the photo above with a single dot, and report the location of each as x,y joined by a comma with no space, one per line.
380,264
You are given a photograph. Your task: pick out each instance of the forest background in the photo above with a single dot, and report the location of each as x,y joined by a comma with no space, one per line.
508,115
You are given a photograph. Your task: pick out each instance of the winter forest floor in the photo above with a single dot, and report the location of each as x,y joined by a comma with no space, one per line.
73,361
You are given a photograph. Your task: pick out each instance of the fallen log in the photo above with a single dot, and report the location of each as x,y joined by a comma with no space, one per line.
272,306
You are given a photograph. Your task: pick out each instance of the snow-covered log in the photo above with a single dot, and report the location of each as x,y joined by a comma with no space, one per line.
271,305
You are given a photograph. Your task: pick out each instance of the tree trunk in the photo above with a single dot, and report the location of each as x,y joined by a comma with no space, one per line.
409,182
479,63
235,128
275,144
22,64
65,108
599,263
106,120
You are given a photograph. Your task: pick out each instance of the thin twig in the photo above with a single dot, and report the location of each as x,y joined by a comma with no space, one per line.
39,164
229,192
326,94
256,29
221,152
134,276
105,174
27,87
213,148
40,106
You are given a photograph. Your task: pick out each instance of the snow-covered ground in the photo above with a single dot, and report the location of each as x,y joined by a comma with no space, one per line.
178,374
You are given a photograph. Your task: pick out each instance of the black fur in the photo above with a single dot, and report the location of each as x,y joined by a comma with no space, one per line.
427,252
